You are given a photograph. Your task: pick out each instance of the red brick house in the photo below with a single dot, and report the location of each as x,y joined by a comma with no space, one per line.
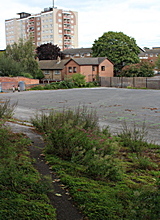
90,67
53,70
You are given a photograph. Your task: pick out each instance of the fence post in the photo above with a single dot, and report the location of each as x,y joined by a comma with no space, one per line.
146,83
110,81
133,81
121,82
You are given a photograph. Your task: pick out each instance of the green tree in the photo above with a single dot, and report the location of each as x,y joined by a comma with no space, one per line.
142,69
49,52
9,67
157,63
119,48
78,79
24,54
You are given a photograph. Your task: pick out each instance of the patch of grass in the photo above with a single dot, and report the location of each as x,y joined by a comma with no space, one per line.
22,191
109,177
7,109
133,138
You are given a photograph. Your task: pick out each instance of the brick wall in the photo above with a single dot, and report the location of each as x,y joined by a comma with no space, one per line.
8,82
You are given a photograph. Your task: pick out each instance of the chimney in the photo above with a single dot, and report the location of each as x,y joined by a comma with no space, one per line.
58,59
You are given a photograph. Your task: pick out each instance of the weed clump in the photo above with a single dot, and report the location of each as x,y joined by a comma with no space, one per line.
109,177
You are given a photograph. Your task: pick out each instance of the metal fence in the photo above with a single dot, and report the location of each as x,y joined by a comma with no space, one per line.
136,82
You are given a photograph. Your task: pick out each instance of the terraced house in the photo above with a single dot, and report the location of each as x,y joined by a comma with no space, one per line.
91,68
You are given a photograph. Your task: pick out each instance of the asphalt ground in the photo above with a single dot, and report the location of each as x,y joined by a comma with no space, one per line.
114,106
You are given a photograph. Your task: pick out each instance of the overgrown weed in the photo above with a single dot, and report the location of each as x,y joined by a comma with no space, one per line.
133,137
109,177
7,109
22,191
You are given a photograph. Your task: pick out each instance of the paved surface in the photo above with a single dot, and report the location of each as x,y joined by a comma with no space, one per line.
113,106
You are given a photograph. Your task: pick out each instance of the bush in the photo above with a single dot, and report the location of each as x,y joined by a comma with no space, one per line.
79,80
22,191
7,109
75,136
109,177
133,138
142,69
37,87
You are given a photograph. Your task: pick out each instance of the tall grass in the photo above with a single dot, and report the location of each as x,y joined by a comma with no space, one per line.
75,136
7,109
109,177
133,137
80,117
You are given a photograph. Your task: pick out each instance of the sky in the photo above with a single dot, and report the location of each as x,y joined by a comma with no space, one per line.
138,19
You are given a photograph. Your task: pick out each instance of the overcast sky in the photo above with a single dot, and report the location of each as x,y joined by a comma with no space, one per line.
139,19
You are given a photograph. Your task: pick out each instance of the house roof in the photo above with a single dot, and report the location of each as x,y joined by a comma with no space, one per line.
153,51
52,64
73,51
89,61
55,65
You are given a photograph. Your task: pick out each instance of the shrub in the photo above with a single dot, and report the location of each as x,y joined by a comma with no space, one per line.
7,109
75,136
37,87
79,80
142,69
133,138
81,117
22,191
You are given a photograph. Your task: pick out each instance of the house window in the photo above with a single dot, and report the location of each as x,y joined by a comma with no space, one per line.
70,69
93,68
74,69
46,72
56,72
102,68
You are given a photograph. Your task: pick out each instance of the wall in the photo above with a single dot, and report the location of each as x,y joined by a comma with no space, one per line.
71,64
108,69
8,82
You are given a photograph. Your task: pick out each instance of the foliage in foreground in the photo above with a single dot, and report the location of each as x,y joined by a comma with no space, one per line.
22,191
6,109
109,177
66,84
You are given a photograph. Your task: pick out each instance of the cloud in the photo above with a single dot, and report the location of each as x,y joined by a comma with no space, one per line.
136,18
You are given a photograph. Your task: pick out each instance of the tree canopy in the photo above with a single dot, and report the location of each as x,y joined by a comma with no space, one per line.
9,67
117,47
49,52
22,54
157,63
142,69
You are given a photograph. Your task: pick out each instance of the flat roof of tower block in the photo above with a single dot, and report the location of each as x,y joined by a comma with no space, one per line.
24,14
